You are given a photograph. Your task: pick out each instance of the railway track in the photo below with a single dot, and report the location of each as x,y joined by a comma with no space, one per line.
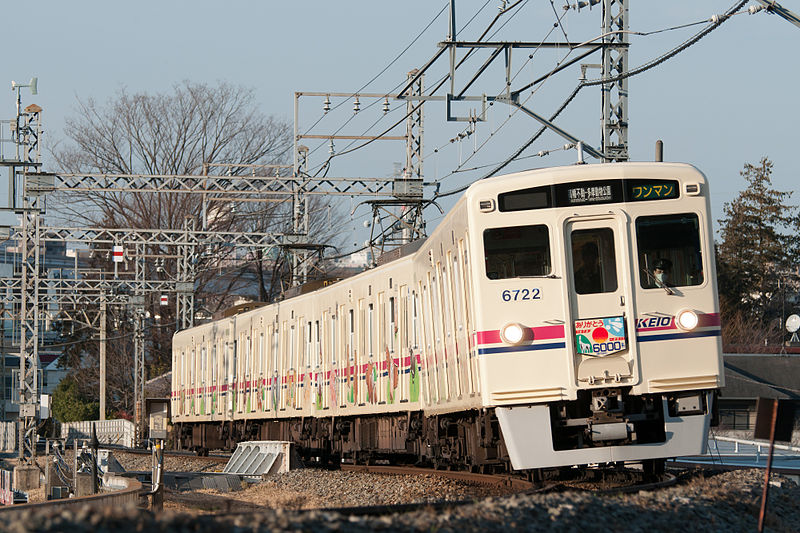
502,480
624,482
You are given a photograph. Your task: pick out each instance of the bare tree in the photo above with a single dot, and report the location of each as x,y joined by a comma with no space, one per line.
171,133
177,133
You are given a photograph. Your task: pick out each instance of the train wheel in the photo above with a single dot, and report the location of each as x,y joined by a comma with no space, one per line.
654,468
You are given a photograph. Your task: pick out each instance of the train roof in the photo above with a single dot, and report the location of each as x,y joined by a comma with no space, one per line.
554,175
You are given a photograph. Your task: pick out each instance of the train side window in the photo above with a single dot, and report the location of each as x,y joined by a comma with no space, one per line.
414,321
517,251
671,245
214,364
351,334
392,325
333,337
594,261
292,343
309,343
317,344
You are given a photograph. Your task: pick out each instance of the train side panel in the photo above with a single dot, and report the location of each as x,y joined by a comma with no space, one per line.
545,309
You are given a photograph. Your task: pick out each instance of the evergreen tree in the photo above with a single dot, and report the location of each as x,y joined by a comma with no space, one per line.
754,250
70,405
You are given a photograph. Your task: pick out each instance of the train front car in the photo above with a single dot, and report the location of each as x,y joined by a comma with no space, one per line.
597,324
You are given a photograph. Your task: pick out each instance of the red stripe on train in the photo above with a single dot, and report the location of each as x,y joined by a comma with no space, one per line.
539,334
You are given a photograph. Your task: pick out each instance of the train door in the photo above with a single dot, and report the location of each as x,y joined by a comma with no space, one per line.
192,379
227,369
469,313
214,374
247,373
371,385
308,358
448,333
275,352
203,376
262,362
600,301
437,317
392,342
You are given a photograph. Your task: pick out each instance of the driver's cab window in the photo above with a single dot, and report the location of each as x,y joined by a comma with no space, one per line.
517,251
669,251
594,264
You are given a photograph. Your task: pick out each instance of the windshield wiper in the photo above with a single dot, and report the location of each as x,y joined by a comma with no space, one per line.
658,283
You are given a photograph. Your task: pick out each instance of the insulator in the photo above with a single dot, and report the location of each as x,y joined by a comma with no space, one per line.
327,104
330,147
385,105
356,105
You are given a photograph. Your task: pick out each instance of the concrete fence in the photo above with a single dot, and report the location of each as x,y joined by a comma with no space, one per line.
118,432
8,436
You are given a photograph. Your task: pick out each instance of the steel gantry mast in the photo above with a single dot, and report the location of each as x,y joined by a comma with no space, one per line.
27,132
402,192
614,46
29,334
615,90
33,291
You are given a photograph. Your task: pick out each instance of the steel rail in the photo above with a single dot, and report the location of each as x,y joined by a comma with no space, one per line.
502,480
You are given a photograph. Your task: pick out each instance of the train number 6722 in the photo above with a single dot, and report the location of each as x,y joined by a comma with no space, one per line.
513,295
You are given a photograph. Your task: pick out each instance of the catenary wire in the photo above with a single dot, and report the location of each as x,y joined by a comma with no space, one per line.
647,66
520,3
392,62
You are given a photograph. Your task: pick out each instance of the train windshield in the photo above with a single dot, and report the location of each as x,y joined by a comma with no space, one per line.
594,262
669,251
517,251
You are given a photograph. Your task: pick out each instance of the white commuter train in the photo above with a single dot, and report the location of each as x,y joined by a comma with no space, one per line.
555,317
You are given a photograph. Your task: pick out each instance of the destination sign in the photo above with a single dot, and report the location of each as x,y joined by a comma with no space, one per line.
639,190
598,194
593,192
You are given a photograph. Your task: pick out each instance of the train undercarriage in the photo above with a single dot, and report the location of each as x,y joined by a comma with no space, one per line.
466,440
461,441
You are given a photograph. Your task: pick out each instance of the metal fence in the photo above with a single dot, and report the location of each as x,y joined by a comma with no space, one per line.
118,432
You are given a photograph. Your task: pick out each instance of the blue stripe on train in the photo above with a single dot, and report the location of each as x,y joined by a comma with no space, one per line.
685,335
529,347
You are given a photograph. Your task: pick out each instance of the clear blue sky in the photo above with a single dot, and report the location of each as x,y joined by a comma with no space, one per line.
727,100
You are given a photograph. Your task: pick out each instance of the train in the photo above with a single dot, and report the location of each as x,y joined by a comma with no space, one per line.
554,317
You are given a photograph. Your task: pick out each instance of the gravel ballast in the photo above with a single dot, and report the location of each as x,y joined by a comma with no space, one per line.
726,501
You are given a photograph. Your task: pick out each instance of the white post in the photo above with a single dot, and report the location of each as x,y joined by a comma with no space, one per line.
103,357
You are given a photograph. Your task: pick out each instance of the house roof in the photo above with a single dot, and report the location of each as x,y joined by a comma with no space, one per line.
748,376
159,386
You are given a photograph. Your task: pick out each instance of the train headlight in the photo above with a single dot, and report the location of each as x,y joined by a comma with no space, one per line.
512,333
686,319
